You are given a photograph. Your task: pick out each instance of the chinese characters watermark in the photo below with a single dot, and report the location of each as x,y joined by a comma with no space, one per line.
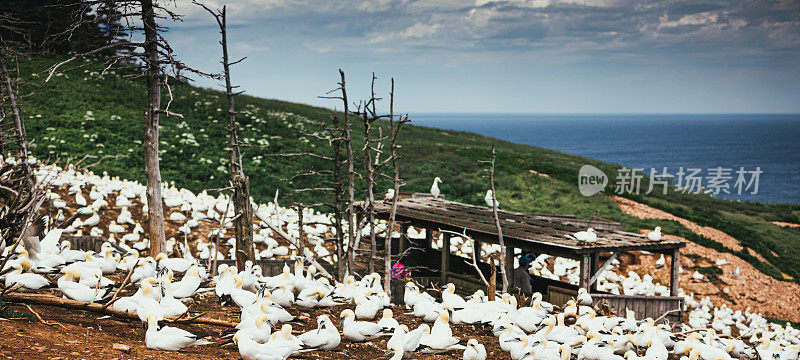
714,181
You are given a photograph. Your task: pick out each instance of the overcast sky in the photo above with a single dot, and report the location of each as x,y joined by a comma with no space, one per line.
517,56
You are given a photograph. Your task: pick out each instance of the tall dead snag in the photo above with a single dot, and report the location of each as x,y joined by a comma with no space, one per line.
370,172
496,215
394,157
344,202
152,169
149,59
10,97
352,224
243,210
338,197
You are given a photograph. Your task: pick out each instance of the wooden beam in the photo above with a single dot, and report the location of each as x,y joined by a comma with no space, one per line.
445,256
674,276
584,272
602,268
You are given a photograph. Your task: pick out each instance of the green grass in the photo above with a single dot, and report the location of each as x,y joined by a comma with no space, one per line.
194,156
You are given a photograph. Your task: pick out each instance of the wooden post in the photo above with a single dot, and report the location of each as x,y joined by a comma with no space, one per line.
594,268
445,256
674,278
509,260
478,245
402,243
428,239
584,268
404,236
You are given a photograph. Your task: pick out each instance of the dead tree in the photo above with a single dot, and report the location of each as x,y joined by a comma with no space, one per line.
20,138
152,168
394,157
496,215
344,202
369,208
243,209
153,59
351,195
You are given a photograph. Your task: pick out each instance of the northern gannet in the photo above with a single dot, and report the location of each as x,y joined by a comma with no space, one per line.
169,338
324,337
655,235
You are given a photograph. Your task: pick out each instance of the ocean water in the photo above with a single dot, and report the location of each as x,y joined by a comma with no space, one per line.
768,142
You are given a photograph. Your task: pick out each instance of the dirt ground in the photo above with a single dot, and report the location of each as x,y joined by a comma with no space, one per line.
85,335
751,288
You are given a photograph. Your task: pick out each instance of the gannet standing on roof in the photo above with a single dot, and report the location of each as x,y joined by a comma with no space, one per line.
655,235
435,187
490,200
588,236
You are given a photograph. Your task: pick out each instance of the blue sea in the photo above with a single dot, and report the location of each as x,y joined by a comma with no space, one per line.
768,142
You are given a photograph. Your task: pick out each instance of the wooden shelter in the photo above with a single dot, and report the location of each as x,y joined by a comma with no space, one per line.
536,233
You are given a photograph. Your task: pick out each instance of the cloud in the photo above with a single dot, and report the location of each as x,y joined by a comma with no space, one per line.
568,28
703,18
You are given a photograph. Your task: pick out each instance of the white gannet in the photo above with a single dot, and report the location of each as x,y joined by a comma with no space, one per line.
435,343
188,284
252,350
260,331
435,187
169,338
358,331
655,235
25,281
491,202
583,297
588,236
324,337
387,321
474,351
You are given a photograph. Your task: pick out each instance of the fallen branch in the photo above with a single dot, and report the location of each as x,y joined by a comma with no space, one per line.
46,300
39,317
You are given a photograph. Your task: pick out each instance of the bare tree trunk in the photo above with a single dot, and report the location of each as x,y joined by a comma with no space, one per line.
243,220
370,208
338,200
155,212
496,215
352,223
19,125
301,243
395,128
243,210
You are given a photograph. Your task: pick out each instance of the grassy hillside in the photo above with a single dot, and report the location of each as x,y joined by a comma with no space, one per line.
81,112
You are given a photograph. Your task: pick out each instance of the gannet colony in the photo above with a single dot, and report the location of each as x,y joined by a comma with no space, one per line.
168,282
